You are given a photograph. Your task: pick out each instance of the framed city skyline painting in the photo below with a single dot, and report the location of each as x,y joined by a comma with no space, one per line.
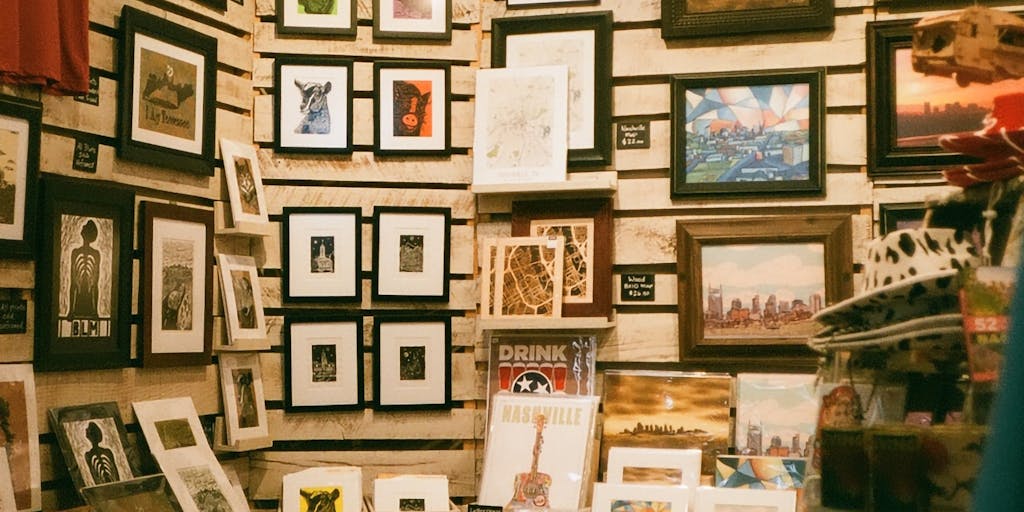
412,107
323,362
704,18
412,361
169,81
411,253
94,443
750,132
83,275
324,17
20,122
312,105
412,19
322,254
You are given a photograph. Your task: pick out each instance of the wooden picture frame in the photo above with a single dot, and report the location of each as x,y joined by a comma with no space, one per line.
908,111
93,432
242,295
167,108
245,408
83,290
520,288
411,253
313,105
21,434
323,362
20,122
244,181
586,225
583,42
330,17
415,96
151,492
322,254
407,19
689,18
412,362
893,216
788,159
805,258
177,271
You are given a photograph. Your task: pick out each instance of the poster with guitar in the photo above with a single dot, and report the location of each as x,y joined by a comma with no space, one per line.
537,453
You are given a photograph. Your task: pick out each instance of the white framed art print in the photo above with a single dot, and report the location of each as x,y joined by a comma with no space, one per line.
245,182
322,254
412,363
243,300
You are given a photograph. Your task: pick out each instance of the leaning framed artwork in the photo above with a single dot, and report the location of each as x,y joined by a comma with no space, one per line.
19,167
244,181
83,275
704,18
583,43
323,362
412,361
94,443
313,105
609,497
322,254
411,253
749,286
19,436
323,17
750,132
168,101
243,301
528,281
241,384
412,19
151,493
177,279
412,106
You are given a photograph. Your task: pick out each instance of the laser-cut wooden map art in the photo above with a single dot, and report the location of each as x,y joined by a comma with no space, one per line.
578,269
529,279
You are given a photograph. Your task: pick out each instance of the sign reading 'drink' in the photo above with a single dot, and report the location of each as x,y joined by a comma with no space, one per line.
634,135
637,288
13,311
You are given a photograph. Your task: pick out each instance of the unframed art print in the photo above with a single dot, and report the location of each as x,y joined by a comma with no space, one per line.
412,106
19,167
178,278
150,493
327,17
323,363
760,472
521,125
412,19
322,250
528,277
313,105
245,182
169,74
83,302
241,383
711,499
19,433
411,253
548,363
412,363
94,443
609,497
243,299
411,493
776,414
323,488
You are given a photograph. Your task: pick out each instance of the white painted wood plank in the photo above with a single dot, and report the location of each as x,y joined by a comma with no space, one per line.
463,77
641,100
846,90
460,201
363,166
623,10
462,295
239,16
642,337
847,139
370,424
463,47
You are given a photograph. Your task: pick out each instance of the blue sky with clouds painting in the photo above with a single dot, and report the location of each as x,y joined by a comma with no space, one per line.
790,271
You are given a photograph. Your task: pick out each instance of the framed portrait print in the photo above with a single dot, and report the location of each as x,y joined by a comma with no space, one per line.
322,254
749,286
94,443
893,216
703,18
323,362
750,132
412,19
19,168
243,300
177,279
325,17
151,493
244,181
168,101
412,363
586,226
412,108
411,253
241,383
313,105
583,43
83,275
20,435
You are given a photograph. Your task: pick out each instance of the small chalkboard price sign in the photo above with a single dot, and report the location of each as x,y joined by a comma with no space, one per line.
637,288
635,135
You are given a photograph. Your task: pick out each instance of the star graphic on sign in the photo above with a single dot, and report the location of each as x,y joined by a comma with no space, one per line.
531,382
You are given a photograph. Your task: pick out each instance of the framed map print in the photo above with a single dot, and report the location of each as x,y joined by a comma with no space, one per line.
168,101
413,108
327,17
411,253
323,362
313,105
322,254
19,166
94,443
412,361
528,279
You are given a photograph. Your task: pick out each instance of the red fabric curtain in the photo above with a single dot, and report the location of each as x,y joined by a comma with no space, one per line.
45,42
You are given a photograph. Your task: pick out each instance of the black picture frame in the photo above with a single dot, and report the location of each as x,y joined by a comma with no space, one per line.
292,229
297,397
415,349
394,229
214,4
19,165
436,27
296,128
70,206
681,19
388,138
67,425
893,216
162,118
600,23
344,23
767,156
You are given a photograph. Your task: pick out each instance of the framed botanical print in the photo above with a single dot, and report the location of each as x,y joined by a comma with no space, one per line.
19,167
241,383
94,443
583,43
322,254
83,275
243,300
151,493
313,105
177,279
168,101
412,19
323,362
244,181
19,435
412,362
412,108
325,17
704,18
411,253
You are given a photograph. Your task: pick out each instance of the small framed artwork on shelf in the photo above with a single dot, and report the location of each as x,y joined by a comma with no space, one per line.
411,253
21,432
412,19
715,499
412,106
245,183
528,277
313,105
704,18
323,362
322,251
93,441
610,497
150,492
402,492
245,410
83,276
243,302
323,488
751,132
169,83
319,17
412,361
177,277
893,216
660,466
19,162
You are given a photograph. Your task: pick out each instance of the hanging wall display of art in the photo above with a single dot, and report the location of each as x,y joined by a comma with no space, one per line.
94,443
710,18
412,361
323,362
326,17
412,112
168,93
322,254
83,276
411,253
412,19
19,437
19,167
313,105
